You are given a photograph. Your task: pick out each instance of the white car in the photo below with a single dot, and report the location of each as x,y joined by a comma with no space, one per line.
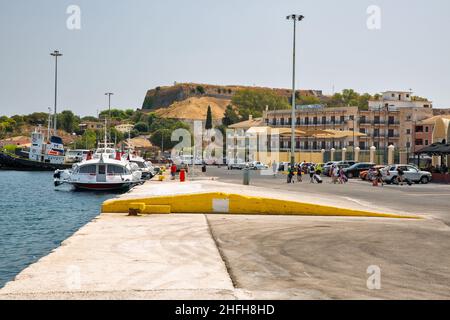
257,165
412,174
236,164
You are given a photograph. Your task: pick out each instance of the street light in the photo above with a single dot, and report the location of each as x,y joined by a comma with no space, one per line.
56,54
294,18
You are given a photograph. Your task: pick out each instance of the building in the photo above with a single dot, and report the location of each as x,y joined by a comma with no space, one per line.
432,130
124,128
388,121
91,125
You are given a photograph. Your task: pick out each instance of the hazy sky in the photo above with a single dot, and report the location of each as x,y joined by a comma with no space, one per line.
130,46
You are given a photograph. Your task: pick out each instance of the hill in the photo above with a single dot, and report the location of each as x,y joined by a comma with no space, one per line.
163,97
195,108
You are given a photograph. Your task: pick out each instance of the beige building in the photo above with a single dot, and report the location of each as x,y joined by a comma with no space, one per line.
124,128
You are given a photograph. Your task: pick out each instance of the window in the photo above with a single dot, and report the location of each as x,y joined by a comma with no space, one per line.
391,120
362,130
408,131
298,121
102,169
342,119
419,142
391,133
282,121
90,169
324,120
274,121
426,142
113,169
376,132
333,119
315,120
363,119
306,121
427,129
377,119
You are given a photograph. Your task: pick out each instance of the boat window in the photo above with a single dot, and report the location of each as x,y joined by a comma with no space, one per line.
88,169
112,169
140,164
102,169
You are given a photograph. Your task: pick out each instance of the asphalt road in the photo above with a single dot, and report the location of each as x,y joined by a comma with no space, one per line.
431,200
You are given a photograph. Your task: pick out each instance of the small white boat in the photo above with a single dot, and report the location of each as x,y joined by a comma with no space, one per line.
148,171
100,174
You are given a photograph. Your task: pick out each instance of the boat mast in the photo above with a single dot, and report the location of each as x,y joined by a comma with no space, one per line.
49,123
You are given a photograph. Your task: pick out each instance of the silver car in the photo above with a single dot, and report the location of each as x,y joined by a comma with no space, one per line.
412,174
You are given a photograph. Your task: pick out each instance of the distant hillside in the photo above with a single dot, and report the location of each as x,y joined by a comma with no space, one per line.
163,97
195,108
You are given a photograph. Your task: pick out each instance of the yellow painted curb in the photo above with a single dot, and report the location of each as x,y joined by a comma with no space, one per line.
217,202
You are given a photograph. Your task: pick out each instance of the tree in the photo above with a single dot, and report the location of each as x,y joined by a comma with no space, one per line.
87,141
254,101
230,116
141,127
307,100
209,120
200,90
350,97
67,121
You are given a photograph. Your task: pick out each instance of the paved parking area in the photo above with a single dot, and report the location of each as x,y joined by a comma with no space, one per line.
431,200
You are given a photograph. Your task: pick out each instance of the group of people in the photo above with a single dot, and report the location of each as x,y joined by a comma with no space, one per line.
337,175
299,170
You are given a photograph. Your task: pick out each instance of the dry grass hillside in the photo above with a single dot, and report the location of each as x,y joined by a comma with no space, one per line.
195,108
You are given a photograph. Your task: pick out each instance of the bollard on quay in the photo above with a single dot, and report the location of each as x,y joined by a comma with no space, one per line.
246,176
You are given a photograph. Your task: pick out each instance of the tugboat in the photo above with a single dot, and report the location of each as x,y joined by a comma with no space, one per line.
43,156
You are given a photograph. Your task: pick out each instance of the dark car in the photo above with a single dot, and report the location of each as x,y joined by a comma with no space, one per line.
356,169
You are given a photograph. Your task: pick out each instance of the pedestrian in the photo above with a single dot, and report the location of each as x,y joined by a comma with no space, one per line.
173,171
401,175
335,174
275,168
290,175
379,177
342,176
312,172
299,173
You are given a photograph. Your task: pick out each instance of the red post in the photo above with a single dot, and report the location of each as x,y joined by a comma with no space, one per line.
182,175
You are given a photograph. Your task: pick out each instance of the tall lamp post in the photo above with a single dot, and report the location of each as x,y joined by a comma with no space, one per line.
56,54
294,18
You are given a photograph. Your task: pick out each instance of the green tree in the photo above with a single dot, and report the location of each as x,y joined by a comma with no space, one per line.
209,120
200,90
141,127
230,117
87,141
67,121
350,97
307,100
254,101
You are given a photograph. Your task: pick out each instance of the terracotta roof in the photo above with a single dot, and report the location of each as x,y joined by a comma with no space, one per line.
257,122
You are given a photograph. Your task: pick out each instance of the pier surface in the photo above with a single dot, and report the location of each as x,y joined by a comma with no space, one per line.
223,256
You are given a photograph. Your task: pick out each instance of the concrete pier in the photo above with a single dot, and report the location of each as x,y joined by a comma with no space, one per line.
224,256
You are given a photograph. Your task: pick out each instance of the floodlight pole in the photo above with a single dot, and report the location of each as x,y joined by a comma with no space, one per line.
294,18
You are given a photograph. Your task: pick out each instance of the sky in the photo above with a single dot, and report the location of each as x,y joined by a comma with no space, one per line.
130,46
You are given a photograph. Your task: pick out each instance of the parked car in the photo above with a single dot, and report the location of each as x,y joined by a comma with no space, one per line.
355,170
412,174
238,164
257,165
364,175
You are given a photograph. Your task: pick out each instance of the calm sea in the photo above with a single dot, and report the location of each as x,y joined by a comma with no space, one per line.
35,217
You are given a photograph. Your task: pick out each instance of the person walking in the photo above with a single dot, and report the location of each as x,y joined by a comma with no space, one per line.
299,173
275,168
401,175
379,177
311,172
173,171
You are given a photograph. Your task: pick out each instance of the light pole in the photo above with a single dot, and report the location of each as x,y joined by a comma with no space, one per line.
109,94
294,18
56,54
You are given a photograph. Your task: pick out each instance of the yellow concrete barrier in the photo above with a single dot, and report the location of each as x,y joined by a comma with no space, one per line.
235,204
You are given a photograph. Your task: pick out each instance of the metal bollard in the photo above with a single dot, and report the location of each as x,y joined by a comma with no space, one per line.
246,176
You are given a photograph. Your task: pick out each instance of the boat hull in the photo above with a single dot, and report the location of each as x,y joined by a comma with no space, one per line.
102,186
8,162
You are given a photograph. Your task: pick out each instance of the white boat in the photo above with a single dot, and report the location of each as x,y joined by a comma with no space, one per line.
148,171
100,173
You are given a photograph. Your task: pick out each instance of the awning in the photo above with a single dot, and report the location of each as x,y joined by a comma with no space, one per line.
435,149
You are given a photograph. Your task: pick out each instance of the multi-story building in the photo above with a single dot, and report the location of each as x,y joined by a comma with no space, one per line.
388,121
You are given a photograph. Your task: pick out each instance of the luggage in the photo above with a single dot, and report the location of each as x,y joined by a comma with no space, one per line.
318,178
